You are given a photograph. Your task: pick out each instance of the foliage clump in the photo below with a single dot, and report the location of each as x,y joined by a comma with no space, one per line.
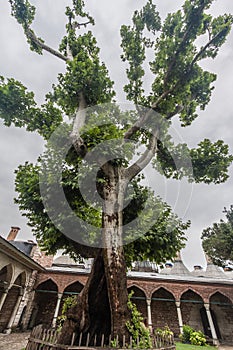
140,333
69,302
190,336
217,240
165,333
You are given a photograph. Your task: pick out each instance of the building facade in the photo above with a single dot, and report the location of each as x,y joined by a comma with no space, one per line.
172,297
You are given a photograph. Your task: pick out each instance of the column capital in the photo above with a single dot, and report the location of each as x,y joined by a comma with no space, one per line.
148,301
207,306
178,303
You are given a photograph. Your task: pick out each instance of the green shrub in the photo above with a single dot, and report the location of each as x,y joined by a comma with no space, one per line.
185,336
190,336
198,338
164,332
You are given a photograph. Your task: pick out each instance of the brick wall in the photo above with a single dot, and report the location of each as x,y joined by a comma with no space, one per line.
164,312
41,258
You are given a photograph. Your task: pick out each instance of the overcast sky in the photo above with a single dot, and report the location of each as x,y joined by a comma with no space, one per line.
39,72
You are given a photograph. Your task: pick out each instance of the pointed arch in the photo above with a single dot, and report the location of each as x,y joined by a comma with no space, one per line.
222,310
20,280
139,299
165,289
163,309
44,303
192,305
6,274
49,283
138,291
11,296
73,288
217,292
191,289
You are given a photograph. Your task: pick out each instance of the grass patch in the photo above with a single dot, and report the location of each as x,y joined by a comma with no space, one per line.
181,346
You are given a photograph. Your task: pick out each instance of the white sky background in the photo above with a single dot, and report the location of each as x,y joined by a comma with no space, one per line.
39,72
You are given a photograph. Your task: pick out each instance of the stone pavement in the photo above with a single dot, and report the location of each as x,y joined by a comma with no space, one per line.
13,341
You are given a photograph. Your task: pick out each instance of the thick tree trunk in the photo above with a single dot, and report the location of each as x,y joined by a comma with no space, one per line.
91,314
114,261
102,305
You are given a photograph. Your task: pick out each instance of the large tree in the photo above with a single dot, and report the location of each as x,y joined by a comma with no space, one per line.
125,221
217,240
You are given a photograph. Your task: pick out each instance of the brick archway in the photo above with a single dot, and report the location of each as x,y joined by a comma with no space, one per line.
44,304
72,289
164,311
139,299
222,309
191,306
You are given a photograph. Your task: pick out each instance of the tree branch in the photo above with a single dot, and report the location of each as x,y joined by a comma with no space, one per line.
29,33
143,119
204,48
79,122
180,48
177,110
145,158
78,25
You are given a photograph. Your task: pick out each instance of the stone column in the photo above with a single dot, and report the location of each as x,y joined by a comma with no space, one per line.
180,320
3,298
59,297
211,323
14,312
149,317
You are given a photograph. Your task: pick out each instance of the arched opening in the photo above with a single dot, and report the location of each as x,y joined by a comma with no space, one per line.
222,313
5,278
73,289
164,311
139,299
45,304
10,302
3,281
191,309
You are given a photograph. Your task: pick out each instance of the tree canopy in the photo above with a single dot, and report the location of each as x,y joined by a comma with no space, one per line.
217,240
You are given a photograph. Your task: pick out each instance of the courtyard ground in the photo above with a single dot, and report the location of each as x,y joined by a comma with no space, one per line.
18,341
13,341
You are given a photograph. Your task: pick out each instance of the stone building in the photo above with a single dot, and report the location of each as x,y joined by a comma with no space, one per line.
17,275
174,296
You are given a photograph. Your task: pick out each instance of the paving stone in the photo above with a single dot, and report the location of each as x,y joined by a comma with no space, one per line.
13,341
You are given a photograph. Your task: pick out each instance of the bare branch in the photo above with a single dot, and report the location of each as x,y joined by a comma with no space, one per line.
204,48
78,25
38,42
145,158
176,111
79,122
69,52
